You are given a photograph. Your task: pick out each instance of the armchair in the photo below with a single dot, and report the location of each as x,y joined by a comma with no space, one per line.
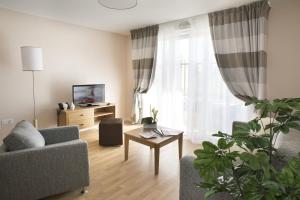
60,166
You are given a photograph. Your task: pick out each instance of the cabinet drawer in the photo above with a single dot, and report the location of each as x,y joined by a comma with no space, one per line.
80,114
83,123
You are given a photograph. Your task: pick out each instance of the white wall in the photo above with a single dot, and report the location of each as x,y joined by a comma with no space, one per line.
72,55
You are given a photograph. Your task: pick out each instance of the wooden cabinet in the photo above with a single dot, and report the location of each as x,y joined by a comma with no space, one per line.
87,117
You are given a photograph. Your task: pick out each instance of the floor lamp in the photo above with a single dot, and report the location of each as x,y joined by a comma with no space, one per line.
32,60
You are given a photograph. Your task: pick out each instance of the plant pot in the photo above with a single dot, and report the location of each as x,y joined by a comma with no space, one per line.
152,126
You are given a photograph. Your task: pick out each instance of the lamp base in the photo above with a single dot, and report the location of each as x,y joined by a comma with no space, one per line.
35,123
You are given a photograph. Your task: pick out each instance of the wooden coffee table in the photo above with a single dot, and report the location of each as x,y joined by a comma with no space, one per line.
155,143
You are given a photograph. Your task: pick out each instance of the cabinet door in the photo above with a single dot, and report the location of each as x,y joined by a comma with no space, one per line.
80,114
83,123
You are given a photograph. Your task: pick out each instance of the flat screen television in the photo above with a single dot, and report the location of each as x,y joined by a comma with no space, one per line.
87,95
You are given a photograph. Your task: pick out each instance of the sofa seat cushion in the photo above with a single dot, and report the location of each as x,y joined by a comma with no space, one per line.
24,136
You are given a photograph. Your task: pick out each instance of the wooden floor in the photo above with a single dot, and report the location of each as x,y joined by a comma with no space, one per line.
111,178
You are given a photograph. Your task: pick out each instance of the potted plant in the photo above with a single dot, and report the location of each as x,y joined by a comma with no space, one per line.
151,122
251,174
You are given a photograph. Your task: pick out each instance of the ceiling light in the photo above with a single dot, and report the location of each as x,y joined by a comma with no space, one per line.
118,4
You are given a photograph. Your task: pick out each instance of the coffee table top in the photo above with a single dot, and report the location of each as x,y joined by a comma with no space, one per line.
161,141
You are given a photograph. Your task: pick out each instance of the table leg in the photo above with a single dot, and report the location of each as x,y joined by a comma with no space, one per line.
180,145
126,147
156,160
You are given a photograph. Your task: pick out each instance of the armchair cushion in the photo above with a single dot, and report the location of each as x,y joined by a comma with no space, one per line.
24,136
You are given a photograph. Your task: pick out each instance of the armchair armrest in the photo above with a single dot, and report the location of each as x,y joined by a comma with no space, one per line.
60,134
44,171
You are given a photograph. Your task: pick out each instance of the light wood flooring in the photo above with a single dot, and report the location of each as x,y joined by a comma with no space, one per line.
111,178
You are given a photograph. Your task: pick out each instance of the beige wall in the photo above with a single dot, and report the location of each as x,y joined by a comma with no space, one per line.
72,55
283,72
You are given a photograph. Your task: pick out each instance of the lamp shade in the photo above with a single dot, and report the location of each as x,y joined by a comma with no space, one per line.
32,58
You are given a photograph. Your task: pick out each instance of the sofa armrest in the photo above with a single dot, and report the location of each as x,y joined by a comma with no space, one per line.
60,134
40,172
189,177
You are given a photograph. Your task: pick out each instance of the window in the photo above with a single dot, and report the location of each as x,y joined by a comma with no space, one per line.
184,52
188,89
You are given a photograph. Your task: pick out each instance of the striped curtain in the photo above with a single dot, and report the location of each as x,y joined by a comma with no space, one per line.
239,39
144,45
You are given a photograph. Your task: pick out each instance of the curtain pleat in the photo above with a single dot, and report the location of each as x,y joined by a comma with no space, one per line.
239,37
144,45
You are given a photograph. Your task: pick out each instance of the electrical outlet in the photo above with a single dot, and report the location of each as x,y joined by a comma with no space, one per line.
8,121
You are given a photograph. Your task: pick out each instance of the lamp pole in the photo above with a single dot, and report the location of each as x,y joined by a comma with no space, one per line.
35,121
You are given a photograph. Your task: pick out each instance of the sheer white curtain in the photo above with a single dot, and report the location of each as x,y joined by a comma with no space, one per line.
188,89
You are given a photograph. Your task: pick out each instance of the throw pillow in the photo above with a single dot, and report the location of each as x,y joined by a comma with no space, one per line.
24,136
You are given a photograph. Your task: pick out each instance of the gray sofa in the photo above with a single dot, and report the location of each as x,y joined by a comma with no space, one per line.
288,145
61,165
189,176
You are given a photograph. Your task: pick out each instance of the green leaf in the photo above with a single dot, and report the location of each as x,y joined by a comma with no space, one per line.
293,125
260,106
251,160
206,185
208,146
254,125
219,134
201,153
248,103
282,118
260,142
271,125
281,105
222,144
233,155
251,100
284,129
258,178
295,105
209,193
271,185
297,113
230,144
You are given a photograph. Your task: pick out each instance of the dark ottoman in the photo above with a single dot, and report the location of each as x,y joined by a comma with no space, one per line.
111,132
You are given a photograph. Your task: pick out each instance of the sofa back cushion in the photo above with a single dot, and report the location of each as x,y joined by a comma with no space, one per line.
23,136
289,144
2,148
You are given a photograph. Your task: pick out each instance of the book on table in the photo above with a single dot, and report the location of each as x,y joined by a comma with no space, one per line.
154,133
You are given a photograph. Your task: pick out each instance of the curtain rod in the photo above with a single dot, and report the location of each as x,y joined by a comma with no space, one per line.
185,19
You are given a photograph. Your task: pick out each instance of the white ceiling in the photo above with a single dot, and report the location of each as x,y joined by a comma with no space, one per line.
90,14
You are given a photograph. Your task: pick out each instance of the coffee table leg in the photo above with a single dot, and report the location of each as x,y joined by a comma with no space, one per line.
156,160
126,147
180,146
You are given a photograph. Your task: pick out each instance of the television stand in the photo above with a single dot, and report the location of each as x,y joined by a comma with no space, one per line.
86,117
87,105
94,104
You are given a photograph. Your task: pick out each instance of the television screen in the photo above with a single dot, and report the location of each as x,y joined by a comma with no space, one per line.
88,94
